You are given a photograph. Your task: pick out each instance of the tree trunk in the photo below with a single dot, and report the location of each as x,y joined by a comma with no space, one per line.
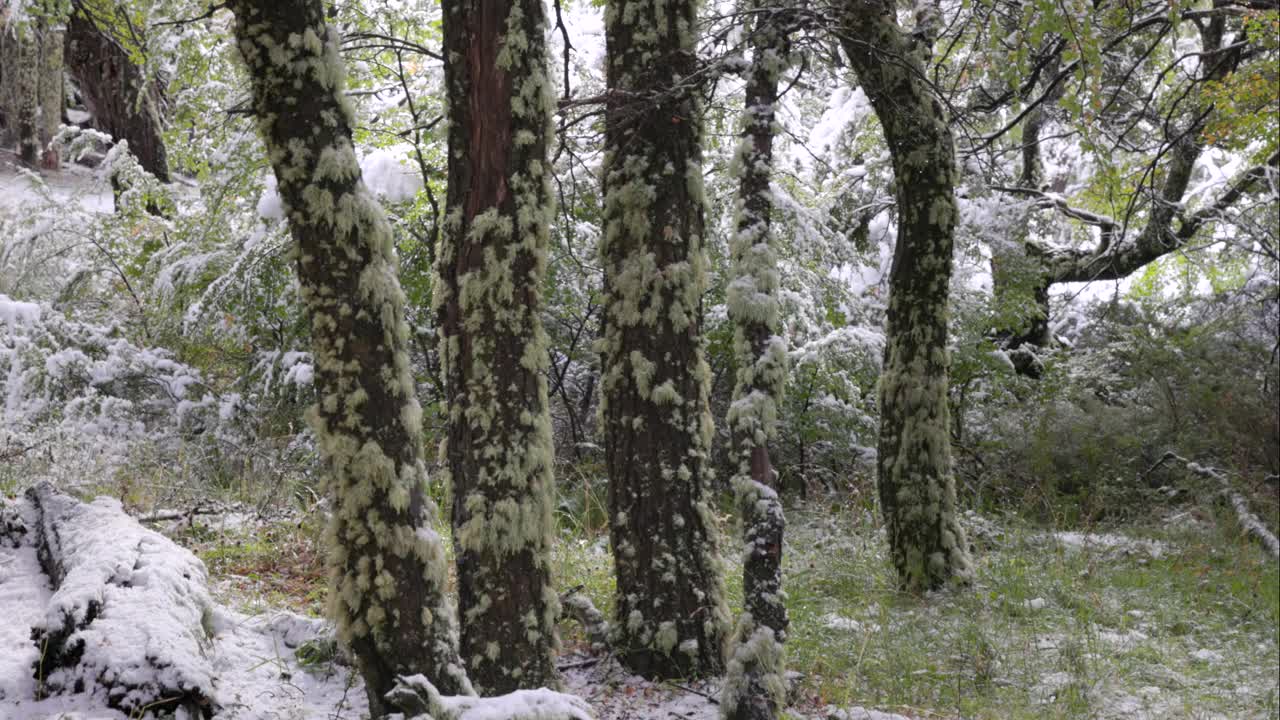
31,88
9,63
387,564
50,86
26,91
671,616
917,489
491,263
755,687
116,92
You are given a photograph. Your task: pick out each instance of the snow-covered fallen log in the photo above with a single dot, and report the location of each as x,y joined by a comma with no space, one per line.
1249,522
419,700
129,617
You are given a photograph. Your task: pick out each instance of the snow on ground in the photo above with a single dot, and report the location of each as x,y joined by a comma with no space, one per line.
1120,544
21,189
24,594
615,694
261,678
254,659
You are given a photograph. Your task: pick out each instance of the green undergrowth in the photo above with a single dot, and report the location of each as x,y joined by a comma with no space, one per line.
1163,623
1137,621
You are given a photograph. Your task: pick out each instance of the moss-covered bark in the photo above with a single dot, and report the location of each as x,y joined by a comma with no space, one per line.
671,617
387,564
491,262
916,486
33,87
25,90
755,685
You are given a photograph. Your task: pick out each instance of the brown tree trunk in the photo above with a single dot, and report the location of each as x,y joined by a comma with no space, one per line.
387,564
916,486
670,611
755,685
491,263
116,92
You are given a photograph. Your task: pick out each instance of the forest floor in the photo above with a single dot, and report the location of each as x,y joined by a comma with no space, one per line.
1171,621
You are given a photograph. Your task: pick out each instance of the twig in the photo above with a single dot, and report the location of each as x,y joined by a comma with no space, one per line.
710,698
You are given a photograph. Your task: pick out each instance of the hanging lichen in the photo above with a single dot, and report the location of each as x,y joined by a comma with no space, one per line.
755,687
916,487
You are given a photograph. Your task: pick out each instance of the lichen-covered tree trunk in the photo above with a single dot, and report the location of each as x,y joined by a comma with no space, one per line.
116,92
916,486
26,91
50,87
387,564
670,611
755,687
33,87
491,263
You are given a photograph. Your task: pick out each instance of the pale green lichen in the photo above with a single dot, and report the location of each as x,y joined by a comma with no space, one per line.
381,547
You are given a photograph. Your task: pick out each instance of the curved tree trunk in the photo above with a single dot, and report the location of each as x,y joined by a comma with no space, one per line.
492,259
917,489
755,687
387,564
671,616
116,92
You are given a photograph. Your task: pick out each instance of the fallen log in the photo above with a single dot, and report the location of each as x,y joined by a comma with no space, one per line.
1249,522
129,619
418,699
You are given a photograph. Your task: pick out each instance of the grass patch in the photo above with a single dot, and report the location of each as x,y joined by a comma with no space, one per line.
1150,623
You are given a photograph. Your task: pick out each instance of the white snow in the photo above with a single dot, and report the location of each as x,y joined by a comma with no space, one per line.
1109,541
24,593
1206,655
840,622
270,207
17,315
389,176
137,603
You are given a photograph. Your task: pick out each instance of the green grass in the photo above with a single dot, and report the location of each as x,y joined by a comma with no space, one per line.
1115,638
1116,635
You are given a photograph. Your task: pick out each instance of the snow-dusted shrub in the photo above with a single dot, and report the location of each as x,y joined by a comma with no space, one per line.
1139,379
77,394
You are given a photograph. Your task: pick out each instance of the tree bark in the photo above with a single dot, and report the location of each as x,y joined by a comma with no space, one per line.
50,86
491,263
31,83
670,611
387,564
116,91
26,91
916,485
755,686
